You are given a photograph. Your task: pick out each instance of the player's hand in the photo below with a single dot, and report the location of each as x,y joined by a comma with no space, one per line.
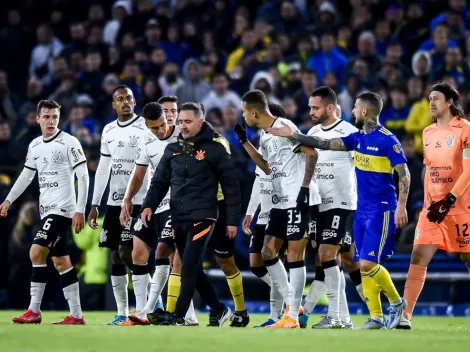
438,210
246,225
146,216
302,198
4,208
92,217
241,133
78,222
284,131
126,212
401,217
231,232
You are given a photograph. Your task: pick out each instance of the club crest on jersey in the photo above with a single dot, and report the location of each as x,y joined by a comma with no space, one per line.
133,141
397,148
56,157
200,155
275,147
450,141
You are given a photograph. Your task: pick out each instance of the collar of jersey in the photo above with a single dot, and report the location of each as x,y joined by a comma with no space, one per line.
50,140
170,135
333,125
127,123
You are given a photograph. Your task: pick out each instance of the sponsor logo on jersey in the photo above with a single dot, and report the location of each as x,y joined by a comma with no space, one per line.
166,233
277,174
200,155
276,199
126,236
264,215
47,208
60,141
117,196
292,229
46,184
327,200
117,170
121,144
40,234
56,157
375,149
133,141
450,141
75,155
48,173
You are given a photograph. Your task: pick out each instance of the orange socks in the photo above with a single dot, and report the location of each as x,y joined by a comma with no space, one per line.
413,286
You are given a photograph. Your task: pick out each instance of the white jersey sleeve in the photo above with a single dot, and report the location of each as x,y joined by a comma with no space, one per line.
22,182
75,152
254,199
30,162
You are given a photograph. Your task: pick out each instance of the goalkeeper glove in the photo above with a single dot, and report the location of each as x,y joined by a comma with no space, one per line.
438,210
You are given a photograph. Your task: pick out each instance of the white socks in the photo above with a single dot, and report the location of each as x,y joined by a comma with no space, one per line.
317,290
278,274
332,285
297,279
120,294
343,303
160,277
72,295
37,291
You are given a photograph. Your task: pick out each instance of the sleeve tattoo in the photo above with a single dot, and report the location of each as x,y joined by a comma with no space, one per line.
310,164
320,143
404,179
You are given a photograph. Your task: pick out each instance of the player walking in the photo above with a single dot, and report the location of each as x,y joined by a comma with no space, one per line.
56,156
119,146
443,223
288,218
377,154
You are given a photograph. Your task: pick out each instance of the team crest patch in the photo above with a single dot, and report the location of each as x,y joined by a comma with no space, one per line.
56,157
133,141
397,148
450,141
200,155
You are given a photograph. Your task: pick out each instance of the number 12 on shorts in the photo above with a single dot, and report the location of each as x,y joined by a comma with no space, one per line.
462,229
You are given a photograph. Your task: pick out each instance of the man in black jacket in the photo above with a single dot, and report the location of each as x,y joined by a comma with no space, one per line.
193,167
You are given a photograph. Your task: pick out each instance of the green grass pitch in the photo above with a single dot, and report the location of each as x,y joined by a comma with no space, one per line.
428,334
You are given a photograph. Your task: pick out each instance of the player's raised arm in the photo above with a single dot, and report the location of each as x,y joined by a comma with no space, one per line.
309,141
404,179
250,149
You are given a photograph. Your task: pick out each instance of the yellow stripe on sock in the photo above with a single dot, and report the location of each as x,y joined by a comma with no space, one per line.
383,239
174,288
235,283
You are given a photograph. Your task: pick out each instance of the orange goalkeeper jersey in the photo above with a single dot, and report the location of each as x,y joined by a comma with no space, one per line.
443,148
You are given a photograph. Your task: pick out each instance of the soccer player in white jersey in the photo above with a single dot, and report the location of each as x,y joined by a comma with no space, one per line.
261,196
56,156
288,219
119,146
331,221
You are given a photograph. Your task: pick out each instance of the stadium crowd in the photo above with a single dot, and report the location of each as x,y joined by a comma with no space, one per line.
78,52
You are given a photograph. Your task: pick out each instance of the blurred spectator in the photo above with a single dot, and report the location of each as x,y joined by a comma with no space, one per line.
245,51
170,80
151,91
414,28
175,50
367,51
220,96
8,100
453,66
10,153
419,118
121,9
309,82
47,48
19,264
348,96
194,88
421,64
265,83
394,116
89,81
329,59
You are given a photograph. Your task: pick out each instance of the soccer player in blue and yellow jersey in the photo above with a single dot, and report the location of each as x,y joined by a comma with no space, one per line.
377,153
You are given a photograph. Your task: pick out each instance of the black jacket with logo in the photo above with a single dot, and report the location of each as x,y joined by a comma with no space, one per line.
193,168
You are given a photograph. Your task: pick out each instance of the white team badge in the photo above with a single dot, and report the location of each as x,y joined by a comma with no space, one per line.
450,141
133,141
103,236
138,225
56,157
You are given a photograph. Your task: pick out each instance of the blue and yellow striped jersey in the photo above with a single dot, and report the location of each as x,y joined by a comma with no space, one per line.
375,156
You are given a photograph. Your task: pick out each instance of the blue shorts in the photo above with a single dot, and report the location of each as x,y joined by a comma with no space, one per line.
374,235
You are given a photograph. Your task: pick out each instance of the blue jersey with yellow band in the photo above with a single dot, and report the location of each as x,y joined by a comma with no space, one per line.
375,156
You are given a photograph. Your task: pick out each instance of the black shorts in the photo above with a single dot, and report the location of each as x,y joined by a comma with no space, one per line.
333,227
257,241
113,234
164,230
288,224
149,235
53,234
221,245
